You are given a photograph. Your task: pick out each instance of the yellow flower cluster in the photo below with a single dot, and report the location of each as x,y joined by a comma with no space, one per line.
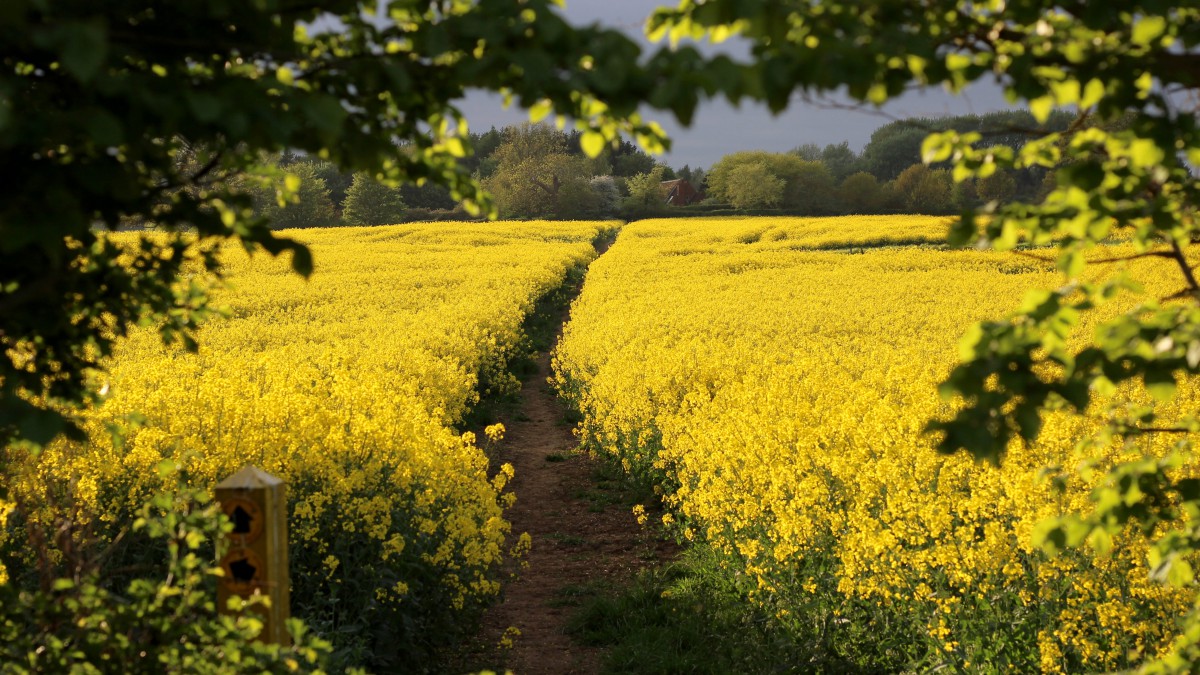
348,385
773,376
6,508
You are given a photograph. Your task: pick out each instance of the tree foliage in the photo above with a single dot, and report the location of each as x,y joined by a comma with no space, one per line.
309,205
629,160
1121,169
998,187
645,189
541,172
809,152
369,202
336,180
536,175
751,185
892,149
861,193
897,145
840,160
924,190
803,185
608,196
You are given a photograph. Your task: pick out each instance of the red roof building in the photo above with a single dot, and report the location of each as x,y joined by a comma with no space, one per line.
680,192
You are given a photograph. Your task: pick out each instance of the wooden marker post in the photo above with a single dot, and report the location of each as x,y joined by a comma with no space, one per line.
257,559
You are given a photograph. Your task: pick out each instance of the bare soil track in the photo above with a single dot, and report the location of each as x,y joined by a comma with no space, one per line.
584,538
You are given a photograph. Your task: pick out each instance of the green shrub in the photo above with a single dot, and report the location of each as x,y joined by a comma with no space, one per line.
163,621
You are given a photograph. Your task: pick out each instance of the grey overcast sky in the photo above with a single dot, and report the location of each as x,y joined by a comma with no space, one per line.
718,128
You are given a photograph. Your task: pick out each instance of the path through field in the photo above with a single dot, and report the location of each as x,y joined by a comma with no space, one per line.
585,539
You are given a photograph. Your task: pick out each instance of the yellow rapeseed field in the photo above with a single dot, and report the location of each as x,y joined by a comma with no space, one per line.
349,385
772,377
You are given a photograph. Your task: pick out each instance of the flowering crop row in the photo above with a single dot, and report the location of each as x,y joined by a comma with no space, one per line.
348,385
773,377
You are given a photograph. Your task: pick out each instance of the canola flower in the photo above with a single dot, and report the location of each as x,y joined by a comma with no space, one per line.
348,385
772,377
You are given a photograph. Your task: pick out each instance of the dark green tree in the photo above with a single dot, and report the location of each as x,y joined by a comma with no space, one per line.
336,180
428,196
998,187
925,190
892,149
629,160
861,193
840,160
809,152
369,202
308,206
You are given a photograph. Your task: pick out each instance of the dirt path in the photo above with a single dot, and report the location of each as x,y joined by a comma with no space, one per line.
584,538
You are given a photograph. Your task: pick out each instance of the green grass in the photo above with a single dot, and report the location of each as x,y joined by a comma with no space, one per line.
566,539
540,329
693,616
610,487
683,617
575,595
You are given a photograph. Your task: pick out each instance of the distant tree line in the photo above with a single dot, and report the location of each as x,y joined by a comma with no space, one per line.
887,177
539,171
533,171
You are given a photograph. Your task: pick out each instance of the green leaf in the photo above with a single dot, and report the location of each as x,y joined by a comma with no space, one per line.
1029,420
592,143
1092,93
1145,152
326,113
85,50
1051,536
104,128
963,231
957,62
936,148
656,28
1071,263
1160,383
877,93
456,147
35,425
1101,541
166,467
538,111
206,107
1188,489
1147,29
302,260
969,342
1041,108
1039,302
1179,572
1104,386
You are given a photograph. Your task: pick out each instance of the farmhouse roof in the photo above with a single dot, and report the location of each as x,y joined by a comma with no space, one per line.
680,192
